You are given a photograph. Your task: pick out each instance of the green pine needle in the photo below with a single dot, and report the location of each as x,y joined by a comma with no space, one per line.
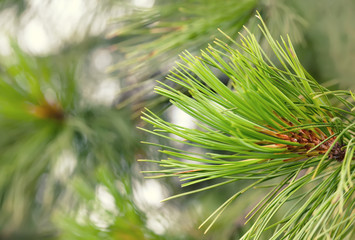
272,121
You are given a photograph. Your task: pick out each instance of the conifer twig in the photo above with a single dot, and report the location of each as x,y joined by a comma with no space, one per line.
270,122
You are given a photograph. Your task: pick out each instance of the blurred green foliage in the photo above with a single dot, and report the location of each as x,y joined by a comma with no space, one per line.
50,135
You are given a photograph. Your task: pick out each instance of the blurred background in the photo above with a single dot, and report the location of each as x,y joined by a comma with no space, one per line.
74,78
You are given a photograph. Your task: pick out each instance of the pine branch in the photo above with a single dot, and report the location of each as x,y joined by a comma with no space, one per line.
272,121
49,135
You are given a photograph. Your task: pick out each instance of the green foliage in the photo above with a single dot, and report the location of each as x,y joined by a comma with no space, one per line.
271,127
98,220
272,123
30,122
161,32
148,40
51,136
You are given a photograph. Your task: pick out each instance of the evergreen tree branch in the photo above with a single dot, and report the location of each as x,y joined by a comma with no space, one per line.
272,121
